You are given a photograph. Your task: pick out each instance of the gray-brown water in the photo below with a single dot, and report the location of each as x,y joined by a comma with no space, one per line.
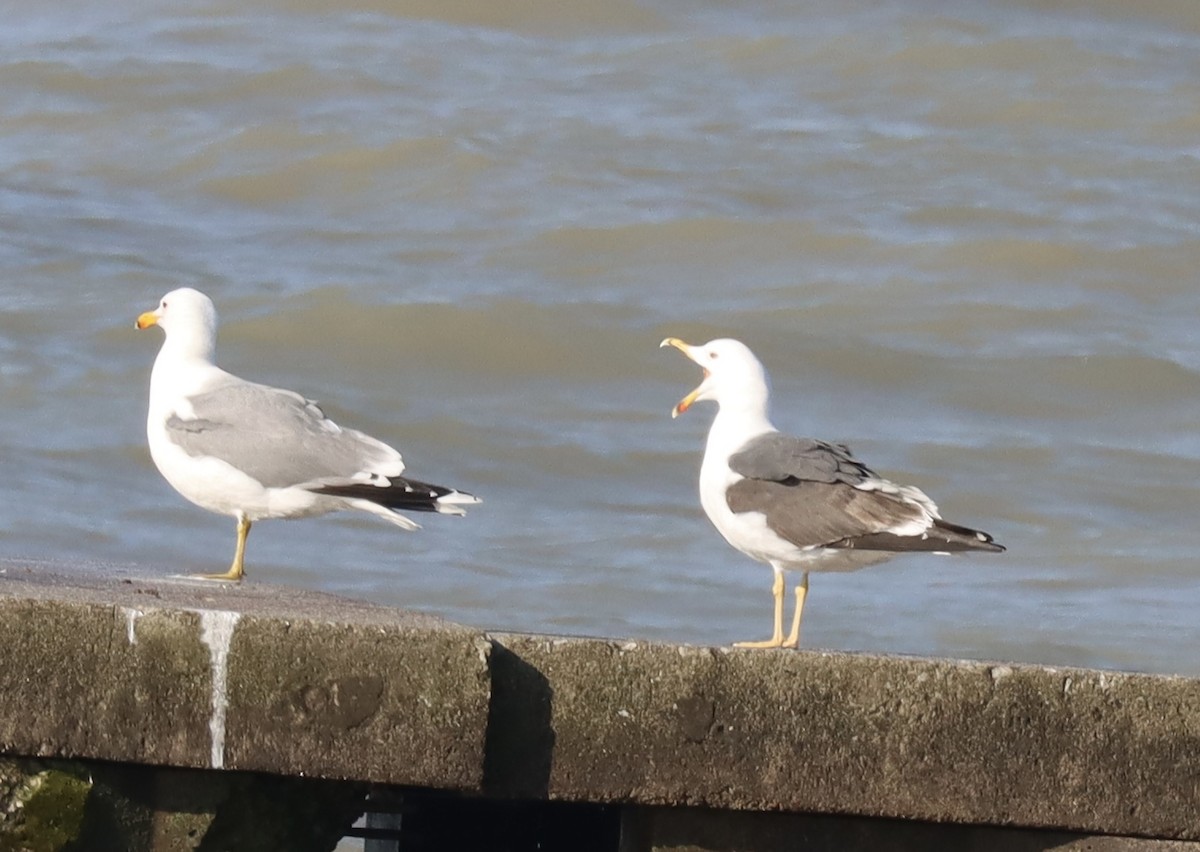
962,237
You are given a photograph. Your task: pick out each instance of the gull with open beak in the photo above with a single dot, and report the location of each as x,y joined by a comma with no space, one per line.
799,504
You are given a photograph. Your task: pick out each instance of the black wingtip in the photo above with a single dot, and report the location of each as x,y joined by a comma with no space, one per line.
972,539
403,495
942,537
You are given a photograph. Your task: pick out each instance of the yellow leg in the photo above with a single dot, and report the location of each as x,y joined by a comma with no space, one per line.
776,639
793,639
238,568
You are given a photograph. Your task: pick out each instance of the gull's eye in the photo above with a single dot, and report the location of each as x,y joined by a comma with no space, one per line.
713,355
164,304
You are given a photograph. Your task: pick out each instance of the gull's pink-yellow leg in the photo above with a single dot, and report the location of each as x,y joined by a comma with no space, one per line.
238,569
776,639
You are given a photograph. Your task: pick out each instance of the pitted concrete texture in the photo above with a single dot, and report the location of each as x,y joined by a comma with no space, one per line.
106,664
935,740
363,702
111,665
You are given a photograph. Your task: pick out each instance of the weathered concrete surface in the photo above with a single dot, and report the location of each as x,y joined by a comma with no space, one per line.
180,672
931,740
175,672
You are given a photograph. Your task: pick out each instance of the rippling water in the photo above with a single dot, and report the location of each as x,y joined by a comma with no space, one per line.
963,239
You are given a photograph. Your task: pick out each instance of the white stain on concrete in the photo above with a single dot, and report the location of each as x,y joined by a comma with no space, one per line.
131,617
217,633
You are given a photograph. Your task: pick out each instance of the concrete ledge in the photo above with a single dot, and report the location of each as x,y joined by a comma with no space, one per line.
102,665
929,740
179,672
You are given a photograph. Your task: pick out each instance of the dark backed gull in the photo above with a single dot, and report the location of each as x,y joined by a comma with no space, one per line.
800,504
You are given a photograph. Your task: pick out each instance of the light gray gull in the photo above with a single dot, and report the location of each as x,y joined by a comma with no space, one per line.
800,504
256,452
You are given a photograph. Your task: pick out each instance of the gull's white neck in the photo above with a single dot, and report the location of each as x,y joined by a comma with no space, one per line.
190,341
743,396
736,424
733,426
183,365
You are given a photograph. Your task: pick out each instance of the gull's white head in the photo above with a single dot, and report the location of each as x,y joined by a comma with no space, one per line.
187,317
733,377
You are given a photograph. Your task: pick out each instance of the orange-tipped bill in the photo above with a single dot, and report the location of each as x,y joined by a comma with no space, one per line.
685,403
147,319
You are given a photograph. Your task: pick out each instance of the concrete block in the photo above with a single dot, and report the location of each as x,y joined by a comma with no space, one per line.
179,672
933,740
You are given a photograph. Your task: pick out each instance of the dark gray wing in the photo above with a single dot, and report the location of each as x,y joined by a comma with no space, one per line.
822,514
776,457
276,437
810,492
